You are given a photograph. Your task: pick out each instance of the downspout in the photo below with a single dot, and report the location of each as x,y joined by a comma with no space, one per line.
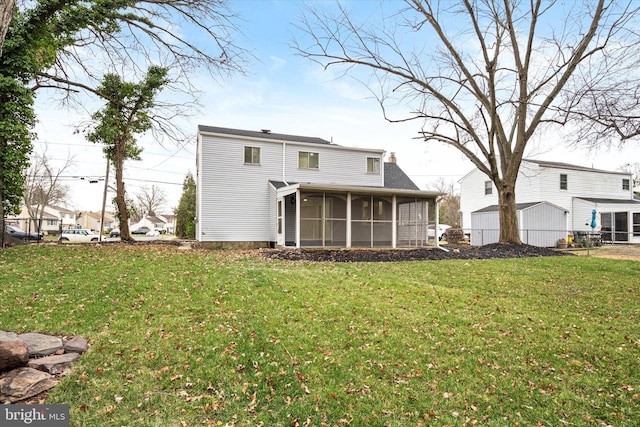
284,163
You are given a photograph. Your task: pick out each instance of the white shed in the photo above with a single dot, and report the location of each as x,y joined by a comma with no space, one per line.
540,223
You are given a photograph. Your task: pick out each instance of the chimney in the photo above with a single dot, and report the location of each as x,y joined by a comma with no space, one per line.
392,157
266,130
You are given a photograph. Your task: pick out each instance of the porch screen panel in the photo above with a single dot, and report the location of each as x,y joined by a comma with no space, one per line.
412,222
335,220
311,219
621,225
382,222
361,221
606,227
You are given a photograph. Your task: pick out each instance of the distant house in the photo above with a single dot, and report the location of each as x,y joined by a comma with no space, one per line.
152,222
91,221
259,189
546,192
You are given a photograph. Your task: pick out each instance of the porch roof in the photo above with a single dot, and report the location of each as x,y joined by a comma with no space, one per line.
285,189
611,201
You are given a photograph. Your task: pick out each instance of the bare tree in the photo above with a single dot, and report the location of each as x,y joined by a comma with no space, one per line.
449,204
151,200
634,170
487,76
43,187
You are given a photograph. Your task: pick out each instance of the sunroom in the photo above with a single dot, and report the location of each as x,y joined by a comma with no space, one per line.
316,215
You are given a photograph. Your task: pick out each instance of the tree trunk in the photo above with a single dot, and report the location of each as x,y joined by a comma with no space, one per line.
121,199
6,14
508,217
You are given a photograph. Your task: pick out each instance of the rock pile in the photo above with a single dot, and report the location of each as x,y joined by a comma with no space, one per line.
32,363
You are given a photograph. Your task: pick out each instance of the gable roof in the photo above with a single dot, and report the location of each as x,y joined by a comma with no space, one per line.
394,177
519,207
561,165
264,134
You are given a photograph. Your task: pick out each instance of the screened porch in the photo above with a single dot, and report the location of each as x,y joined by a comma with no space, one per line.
378,218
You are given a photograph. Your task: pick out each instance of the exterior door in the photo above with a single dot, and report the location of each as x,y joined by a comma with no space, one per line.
280,222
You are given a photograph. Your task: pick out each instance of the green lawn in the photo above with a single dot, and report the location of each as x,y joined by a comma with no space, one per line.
192,338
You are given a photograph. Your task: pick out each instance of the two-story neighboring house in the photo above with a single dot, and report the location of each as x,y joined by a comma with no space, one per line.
554,200
260,189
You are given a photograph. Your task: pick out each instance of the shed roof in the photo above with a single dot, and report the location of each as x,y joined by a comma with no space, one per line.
519,207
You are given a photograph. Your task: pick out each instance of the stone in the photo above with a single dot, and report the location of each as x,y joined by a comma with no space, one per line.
54,364
40,344
13,354
76,345
8,336
24,383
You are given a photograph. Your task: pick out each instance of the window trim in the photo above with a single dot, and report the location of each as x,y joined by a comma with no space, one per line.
564,183
309,156
626,184
374,161
488,189
253,148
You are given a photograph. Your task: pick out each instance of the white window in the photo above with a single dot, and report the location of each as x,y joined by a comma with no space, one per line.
488,188
308,160
373,165
625,184
252,155
564,181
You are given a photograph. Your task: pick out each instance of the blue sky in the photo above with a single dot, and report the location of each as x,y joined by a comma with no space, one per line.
286,94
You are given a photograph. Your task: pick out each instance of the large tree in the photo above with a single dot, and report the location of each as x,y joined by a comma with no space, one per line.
68,45
151,200
127,113
487,76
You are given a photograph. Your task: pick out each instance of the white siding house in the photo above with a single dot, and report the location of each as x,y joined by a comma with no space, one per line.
257,188
575,189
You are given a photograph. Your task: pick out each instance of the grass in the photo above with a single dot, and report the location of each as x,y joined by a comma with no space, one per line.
190,338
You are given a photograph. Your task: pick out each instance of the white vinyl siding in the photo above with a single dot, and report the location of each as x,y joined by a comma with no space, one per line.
234,202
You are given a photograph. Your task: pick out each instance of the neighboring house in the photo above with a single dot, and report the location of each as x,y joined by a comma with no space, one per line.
67,217
555,189
169,222
91,221
151,222
50,221
260,189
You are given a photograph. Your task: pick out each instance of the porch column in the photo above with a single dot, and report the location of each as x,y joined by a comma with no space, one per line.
298,218
348,220
435,230
394,220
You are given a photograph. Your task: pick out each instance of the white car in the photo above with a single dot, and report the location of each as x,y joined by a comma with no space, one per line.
78,235
441,230
153,233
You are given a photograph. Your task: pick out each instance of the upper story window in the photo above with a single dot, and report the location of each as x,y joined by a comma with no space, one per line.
488,188
252,155
564,181
373,165
625,184
308,160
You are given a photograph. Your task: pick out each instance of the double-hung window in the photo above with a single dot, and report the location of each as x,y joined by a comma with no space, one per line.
251,155
625,184
373,165
488,188
308,160
564,181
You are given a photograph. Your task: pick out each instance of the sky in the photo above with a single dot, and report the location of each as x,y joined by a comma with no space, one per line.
287,94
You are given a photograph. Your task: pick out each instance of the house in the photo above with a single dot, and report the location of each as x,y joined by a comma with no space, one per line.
549,191
91,221
152,222
262,189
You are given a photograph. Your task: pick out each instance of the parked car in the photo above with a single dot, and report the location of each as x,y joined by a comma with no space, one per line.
114,233
153,233
19,233
442,228
78,235
141,230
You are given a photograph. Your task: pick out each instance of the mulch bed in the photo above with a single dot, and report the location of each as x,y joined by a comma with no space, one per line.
492,251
